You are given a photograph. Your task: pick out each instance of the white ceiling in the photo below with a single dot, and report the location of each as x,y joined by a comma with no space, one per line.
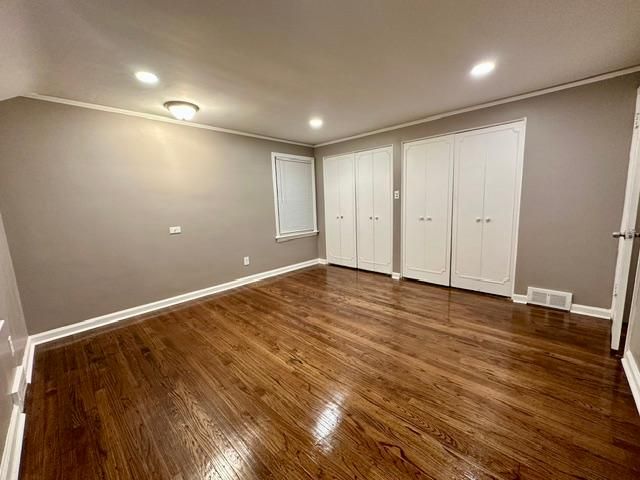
267,66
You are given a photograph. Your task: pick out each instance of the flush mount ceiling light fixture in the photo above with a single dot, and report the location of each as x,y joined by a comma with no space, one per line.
181,110
482,69
315,123
147,77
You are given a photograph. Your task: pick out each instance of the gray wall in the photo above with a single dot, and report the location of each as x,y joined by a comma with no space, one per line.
88,198
11,313
575,167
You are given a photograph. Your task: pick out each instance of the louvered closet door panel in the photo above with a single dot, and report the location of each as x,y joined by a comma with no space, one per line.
383,209
347,210
499,209
365,207
332,209
470,159
428,173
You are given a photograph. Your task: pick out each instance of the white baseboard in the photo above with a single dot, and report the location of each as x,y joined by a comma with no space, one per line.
10,466
597,312
591,311
323,261
633,376
395,275
517,298
109,318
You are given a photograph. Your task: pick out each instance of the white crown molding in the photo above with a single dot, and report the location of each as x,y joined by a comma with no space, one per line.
431,118
500,101
158,118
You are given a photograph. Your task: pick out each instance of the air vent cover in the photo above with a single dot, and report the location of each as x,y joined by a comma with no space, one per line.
549,298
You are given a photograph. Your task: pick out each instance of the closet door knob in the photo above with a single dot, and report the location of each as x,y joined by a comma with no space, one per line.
428,219
370,217
488,219
338,217
377,217
341,217
421,219
478,219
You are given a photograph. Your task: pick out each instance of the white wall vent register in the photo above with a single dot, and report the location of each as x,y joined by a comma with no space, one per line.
549,298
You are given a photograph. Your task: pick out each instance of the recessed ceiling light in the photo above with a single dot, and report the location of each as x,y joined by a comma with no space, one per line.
316,122
482,69
147,77
182,110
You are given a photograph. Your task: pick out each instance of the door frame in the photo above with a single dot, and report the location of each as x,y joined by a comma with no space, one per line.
517,204
385,147
355,194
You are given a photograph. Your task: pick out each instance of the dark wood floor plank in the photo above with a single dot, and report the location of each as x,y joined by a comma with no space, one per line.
334,373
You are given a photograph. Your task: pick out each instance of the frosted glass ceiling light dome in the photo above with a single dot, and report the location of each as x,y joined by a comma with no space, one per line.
182,110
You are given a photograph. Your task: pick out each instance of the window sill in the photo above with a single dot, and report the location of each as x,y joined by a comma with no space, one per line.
293,236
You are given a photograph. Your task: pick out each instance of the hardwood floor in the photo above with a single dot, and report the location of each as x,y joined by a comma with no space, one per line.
334,373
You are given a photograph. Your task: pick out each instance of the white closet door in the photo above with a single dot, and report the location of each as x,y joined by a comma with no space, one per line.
365,207
428,176
347,210
488,165
331,167
375,209
382,162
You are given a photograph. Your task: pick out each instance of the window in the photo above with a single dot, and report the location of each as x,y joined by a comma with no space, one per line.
294,189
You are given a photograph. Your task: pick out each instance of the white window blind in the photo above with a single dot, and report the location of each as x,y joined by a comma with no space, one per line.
295,195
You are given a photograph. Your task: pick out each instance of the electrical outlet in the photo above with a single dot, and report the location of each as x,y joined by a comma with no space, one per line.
396,195
175,230
246,261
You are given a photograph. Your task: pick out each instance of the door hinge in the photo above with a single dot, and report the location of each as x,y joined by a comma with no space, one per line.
636,124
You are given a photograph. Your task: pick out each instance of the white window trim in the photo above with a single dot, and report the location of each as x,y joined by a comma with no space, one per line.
280,237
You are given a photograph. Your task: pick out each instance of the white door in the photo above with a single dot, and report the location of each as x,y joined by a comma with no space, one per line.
383,209
332,208
364,206
488,172
339,197
428,177
374,184
627,232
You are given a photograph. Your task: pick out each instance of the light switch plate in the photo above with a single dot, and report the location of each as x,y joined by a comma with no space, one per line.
246,261
396,195
175,230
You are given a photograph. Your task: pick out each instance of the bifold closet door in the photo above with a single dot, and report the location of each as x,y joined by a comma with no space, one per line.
488,165
428,177
339,206
374,197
